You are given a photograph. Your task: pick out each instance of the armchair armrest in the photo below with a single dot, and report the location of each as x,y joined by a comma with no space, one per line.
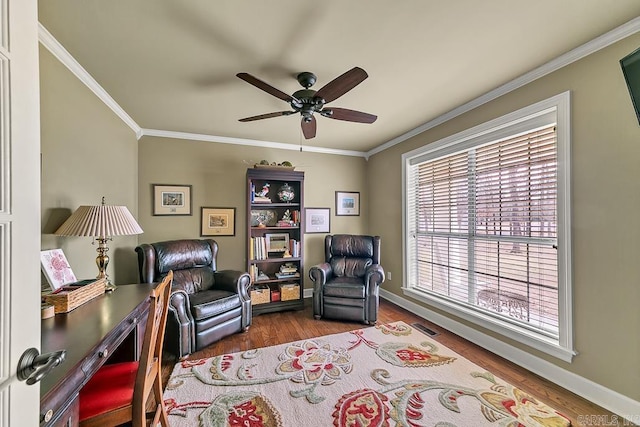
239,282
374,277
181,321
320,273
233,281
179,304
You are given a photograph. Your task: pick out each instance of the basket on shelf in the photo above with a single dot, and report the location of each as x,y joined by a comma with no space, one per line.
66,300
260,294
289,291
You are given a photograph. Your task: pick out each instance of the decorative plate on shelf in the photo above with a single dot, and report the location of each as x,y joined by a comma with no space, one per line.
286,193
265,217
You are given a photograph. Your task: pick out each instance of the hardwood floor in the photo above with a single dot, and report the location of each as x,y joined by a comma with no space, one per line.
278,328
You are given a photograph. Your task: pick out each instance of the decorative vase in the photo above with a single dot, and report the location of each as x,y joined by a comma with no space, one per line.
286,193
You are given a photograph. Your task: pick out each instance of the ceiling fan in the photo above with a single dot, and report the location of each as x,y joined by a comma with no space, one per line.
308,101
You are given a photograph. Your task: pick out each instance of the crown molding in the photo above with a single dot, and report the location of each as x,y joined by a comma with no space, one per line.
50,42
607,39
250,142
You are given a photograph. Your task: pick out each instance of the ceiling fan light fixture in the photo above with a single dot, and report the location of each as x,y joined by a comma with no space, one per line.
306,79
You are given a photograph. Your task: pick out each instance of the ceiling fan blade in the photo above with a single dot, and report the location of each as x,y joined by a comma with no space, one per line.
308,128
348,115
266,116
342,84
266,87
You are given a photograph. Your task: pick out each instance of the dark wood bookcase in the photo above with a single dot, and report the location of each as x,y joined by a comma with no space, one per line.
275,287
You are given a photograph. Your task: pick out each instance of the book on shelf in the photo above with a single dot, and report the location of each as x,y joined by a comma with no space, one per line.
288,268
294,248
258,248
257,275
287,275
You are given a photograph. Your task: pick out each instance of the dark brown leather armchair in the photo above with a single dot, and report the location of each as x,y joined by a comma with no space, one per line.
346,285
206,304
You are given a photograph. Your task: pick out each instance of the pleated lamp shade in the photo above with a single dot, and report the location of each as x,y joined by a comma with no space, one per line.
100,221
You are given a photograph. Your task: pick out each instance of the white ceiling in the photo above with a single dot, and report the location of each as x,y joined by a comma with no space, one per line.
171,64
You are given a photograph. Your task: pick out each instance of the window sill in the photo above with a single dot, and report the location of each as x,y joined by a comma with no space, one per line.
539,342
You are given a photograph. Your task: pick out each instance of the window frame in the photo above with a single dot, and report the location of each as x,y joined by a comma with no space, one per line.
507,125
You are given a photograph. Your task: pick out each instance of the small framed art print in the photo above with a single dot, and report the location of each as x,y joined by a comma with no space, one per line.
218,222
171,199
317,220
347,203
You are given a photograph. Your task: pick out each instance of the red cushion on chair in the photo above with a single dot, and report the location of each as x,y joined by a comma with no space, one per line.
110,388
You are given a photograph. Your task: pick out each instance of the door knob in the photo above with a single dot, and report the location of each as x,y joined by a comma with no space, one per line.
34,366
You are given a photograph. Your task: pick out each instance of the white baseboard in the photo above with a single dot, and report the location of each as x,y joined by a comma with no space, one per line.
583,387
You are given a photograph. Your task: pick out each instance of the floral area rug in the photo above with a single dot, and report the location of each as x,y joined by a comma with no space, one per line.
388,375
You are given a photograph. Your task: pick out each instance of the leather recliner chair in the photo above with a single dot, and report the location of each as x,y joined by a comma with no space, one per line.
346,286
206,304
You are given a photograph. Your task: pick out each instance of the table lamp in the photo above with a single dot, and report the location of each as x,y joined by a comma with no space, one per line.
102,223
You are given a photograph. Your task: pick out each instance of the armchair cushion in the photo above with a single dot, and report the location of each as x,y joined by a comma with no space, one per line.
212,303
350,267
351,246
194,280
344,287
180,255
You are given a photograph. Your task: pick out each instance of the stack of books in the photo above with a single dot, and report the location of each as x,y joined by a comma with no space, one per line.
288,271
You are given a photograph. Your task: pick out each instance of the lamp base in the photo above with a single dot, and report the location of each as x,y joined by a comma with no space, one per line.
102,260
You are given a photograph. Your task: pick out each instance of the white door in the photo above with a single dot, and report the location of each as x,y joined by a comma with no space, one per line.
19,207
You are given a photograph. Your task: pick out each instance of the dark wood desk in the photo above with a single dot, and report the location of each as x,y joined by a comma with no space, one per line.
91,334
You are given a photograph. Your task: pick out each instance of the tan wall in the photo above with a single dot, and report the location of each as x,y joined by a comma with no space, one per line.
217,174
87,153
605,204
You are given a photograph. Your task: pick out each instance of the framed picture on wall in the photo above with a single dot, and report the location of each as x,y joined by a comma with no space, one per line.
171,199
347,203
317,220
218,222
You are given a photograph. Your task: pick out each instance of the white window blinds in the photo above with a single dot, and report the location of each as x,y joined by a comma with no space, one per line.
482,228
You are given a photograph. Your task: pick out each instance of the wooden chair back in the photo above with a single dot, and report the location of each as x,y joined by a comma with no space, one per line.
149,378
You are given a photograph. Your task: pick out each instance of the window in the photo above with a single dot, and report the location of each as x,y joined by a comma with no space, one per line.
486,225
